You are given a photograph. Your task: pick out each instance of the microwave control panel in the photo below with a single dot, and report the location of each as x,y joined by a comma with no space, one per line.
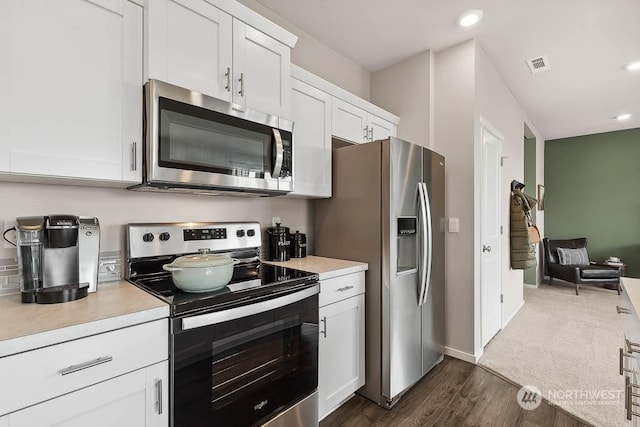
287,168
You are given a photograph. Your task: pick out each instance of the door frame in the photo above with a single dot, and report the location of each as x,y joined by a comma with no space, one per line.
485,126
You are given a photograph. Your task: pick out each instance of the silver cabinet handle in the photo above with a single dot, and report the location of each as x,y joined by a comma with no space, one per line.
366,132
134,156
228,77
630,346
622,310
241,80
371,134
486,248
159,396
346,288
95,362
324,322
628,398
621,364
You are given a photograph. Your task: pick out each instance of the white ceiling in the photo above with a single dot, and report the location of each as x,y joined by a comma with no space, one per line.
588,43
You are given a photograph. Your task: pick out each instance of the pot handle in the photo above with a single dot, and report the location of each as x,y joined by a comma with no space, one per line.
170,267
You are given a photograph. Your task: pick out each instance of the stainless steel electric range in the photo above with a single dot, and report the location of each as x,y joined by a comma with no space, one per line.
245,355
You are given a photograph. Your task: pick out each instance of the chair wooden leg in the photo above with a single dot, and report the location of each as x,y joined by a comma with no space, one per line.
618,287
550,280
577,287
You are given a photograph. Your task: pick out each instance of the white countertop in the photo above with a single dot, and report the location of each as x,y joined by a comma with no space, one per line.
631,286
326,268
116,305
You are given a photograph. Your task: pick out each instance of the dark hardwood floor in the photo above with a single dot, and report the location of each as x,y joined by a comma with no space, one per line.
454,393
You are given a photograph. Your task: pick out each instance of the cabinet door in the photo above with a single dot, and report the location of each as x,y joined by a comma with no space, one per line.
311,113
128,400
261,70
71,89
380,128
341,352
348,121
189,45
4,421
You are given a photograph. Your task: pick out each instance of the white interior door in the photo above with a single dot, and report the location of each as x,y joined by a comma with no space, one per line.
491,278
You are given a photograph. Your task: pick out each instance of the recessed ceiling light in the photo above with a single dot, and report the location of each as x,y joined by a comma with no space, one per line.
625,116
469,18
635,65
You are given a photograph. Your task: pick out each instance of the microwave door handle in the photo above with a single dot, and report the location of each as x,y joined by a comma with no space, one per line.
277,164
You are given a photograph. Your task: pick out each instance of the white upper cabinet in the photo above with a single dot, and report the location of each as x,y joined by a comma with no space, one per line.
358,125
189,45
349,122
261,70
311,113
199,46
71,90
379,128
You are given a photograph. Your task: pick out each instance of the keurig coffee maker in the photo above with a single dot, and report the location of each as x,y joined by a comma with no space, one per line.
58,257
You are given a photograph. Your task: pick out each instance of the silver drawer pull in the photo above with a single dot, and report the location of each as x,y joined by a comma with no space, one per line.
346,288
91,363
324,321
621,364
628,398
622,310
630,346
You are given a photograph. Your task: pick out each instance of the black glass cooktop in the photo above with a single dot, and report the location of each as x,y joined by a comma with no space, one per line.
250,283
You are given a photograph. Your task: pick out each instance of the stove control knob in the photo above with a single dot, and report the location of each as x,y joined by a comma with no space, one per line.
240,233
251,233
148,237
164,236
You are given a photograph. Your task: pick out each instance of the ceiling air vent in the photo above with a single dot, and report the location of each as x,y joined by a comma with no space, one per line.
541,63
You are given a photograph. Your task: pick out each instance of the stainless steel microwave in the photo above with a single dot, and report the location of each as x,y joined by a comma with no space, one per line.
199,144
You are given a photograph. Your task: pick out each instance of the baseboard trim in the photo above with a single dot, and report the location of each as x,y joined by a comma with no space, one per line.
470,358
513,315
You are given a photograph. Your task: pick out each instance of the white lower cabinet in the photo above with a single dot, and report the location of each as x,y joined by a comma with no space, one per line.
341,346
139,398
116,378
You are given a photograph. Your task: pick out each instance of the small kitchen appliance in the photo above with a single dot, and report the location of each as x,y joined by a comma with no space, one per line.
279,241
242,355
57,257
198,144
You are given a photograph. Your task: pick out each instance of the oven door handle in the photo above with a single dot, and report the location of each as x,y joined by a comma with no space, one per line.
247,310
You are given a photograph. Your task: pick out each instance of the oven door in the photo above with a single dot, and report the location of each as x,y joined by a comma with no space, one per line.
244,365
193,139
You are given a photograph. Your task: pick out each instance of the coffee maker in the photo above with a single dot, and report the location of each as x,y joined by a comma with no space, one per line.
58,257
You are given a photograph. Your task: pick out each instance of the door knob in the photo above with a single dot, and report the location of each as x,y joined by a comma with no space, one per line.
486,248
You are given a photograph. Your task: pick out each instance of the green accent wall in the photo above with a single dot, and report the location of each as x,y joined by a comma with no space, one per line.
592,189
530,189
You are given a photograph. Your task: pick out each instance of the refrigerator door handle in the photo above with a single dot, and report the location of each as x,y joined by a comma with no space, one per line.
429,240
423,242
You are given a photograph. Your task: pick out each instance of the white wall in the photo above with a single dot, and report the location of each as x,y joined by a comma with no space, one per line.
117,207
496,104
467,89
405,89
454,88
318,58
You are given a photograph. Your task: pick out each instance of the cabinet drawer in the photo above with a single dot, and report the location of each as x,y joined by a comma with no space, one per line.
41,374
339,288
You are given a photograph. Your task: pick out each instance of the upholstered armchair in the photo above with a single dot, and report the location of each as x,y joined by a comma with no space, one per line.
574,266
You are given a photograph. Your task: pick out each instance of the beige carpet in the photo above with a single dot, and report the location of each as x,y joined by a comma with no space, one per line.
566,346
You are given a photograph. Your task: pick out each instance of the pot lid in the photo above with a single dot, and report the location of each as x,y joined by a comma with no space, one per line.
204,259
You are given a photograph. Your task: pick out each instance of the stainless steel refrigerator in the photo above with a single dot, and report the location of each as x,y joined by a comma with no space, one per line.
387,209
